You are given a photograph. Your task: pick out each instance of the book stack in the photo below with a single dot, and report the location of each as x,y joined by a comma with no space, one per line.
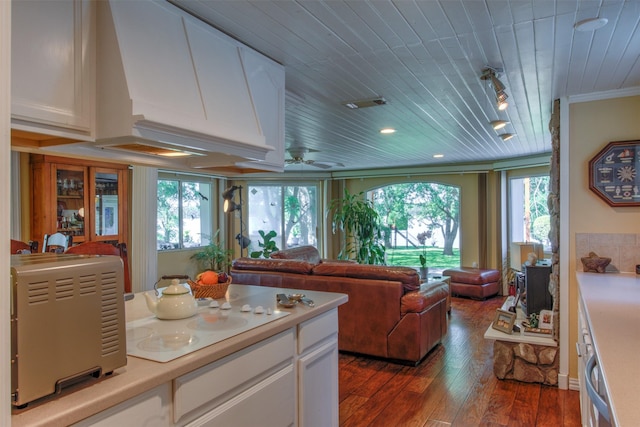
537,332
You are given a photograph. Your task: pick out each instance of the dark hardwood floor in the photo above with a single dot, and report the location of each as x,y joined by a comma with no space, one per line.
454,385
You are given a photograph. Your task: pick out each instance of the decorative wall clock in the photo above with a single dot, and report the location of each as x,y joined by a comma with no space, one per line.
613,173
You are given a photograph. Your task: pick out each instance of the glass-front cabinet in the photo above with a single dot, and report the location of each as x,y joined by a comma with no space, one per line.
88,202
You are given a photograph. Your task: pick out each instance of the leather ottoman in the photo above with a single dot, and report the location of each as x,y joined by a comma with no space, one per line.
472,282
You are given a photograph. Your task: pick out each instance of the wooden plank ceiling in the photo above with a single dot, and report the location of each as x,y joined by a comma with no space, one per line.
425,58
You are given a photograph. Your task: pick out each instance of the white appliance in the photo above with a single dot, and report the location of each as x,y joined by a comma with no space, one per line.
164,340
593,405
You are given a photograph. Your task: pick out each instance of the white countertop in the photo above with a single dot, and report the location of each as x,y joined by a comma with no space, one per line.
139,375
612,309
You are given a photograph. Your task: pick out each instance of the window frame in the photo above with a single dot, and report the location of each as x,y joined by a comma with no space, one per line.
211,206
282,185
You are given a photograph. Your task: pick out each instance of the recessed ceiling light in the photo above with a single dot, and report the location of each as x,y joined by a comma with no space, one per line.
590,24
387,130
507,136
438,156
498,124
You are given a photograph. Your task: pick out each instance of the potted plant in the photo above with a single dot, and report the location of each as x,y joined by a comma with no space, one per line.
268,245
422,238
214,256
360,222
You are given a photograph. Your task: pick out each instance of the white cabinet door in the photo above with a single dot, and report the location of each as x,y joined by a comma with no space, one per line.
318,386
53,67
150,409
318,371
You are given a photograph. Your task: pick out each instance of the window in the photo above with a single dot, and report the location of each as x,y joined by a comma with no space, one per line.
420,218
529,214
290,210
184,214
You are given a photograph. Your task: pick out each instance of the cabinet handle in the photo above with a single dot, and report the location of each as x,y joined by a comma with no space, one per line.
597,400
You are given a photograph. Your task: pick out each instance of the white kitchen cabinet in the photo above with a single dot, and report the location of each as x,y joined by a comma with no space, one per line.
318,371
53,67
254,383
152,409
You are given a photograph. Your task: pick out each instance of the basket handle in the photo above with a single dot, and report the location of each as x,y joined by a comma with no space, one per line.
178,276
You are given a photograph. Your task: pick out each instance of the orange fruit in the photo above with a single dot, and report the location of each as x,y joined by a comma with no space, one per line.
208,278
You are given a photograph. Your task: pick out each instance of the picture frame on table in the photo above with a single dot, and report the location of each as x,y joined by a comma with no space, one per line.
545,321
504,321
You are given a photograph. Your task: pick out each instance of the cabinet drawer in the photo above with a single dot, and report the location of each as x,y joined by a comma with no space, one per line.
317,329
268,403
220,381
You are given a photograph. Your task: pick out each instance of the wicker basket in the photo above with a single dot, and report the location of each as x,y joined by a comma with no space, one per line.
209,291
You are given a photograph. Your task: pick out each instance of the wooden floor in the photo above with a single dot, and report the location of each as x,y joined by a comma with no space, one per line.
454,385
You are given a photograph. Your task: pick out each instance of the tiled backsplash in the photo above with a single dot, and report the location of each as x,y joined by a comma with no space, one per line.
623,249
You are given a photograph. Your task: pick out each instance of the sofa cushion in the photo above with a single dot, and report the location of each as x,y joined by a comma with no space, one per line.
281,265
304,253
406,275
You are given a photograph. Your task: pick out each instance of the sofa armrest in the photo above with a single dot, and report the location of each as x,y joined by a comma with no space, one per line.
425,297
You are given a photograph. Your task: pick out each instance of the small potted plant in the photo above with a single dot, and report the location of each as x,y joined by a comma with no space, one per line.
422,238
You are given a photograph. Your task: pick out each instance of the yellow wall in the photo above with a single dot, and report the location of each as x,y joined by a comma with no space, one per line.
592,125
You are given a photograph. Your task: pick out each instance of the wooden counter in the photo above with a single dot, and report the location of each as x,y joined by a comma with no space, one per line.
140,375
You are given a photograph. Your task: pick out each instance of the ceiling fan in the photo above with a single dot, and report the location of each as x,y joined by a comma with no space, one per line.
297,158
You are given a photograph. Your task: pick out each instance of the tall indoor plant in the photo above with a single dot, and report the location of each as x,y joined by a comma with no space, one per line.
358,219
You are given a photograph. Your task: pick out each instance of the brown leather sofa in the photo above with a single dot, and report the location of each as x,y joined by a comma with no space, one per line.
389,313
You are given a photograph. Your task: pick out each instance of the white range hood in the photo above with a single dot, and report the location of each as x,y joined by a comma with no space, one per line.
167,81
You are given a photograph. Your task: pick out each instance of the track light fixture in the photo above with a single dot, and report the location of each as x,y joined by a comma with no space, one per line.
499,88
498,124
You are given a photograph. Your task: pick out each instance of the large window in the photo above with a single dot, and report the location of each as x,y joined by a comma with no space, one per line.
529,214
184,214
420,218
289,210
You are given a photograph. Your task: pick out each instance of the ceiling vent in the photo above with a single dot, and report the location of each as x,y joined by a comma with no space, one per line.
364,103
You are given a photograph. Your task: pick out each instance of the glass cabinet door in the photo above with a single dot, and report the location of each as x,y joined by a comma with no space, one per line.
70,201
106,203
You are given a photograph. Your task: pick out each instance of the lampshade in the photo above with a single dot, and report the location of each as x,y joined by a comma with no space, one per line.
243,241
498,124
230,206
228,193
501,100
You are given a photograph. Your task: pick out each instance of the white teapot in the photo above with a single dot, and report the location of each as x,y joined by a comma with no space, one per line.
176,302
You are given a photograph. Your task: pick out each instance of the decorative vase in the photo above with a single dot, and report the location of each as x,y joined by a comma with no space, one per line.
424,273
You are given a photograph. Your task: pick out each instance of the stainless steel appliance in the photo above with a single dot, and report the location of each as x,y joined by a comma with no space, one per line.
67,321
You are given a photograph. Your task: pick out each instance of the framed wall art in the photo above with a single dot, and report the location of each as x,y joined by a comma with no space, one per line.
613,173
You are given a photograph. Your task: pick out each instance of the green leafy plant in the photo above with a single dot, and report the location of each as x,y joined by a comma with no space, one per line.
360,222
422,238
268,245
214,256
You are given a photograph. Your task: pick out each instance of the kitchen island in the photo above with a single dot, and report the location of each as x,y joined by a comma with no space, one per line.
284,371
610,304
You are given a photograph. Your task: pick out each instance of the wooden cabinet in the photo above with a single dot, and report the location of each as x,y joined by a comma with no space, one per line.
88,202
53,67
